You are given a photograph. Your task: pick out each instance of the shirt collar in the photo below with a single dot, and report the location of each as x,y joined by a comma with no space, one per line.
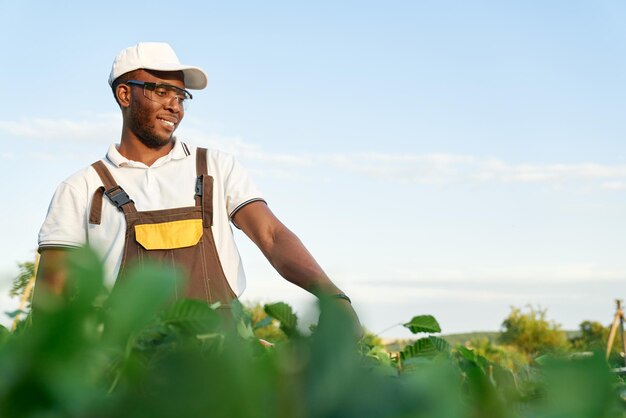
178,152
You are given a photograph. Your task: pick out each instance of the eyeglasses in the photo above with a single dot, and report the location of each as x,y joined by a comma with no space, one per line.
163,93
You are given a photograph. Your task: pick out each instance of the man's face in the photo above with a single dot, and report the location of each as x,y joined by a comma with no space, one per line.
151,122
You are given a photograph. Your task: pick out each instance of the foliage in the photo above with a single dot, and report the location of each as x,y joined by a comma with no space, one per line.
505,356
263,325
138,352
423,323
285,316
25,273
371,339
464,338
593,336
532,333
22,287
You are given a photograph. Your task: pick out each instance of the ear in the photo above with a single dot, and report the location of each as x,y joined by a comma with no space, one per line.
122,92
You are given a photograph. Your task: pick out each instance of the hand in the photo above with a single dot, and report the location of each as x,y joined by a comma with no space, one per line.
338,313
356,324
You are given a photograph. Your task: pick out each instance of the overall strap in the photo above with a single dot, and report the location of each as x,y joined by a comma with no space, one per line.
201,165
204,188
111,190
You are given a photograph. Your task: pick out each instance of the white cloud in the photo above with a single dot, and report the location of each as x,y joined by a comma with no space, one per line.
537,274
454,168
245,150
614,185
43,156
400,294
406,168
90,128
8,156
554,172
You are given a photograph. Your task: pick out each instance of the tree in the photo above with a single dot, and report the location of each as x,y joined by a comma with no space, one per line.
593,336
532,333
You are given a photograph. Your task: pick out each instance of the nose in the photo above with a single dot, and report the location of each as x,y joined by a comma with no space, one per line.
175,105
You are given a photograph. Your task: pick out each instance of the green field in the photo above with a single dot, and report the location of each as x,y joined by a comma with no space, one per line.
139,353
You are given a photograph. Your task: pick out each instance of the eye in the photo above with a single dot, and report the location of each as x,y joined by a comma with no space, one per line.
161,91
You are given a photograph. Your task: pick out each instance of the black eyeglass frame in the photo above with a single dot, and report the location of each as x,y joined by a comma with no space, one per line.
152,86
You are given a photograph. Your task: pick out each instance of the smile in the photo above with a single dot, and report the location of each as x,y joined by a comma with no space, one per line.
167,122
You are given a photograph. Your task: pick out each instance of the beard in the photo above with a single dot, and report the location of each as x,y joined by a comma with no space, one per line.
143,124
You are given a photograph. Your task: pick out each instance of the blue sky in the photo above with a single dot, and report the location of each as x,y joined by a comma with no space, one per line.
453,158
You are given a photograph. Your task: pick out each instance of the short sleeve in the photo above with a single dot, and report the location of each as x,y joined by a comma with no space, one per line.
65,223
238,187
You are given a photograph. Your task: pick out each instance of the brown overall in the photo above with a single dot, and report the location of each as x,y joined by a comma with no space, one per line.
180,236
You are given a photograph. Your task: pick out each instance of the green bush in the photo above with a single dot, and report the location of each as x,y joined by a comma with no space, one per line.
507,356
263,325
532,333
139,353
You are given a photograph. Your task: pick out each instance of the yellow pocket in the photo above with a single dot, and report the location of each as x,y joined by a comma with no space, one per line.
169,235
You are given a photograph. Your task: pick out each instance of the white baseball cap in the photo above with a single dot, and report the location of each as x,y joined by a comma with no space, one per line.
156,56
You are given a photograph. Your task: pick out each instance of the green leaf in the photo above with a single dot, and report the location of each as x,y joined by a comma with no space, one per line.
192,316
414,364
543,359
245,330
137,298
265,322
85,277
240,314
284,314
440,344
5,334
14,313
472,360
427,347
26,272
423,323
466,353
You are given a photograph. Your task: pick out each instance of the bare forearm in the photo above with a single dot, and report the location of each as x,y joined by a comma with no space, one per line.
283,249
288,255
294,262
52,270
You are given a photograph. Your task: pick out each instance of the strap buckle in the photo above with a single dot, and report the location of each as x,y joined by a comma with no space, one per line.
118,197
199,184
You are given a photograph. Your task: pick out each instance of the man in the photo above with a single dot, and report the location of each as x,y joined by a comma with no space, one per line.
153,197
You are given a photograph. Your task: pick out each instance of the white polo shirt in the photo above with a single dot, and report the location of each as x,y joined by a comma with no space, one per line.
166,184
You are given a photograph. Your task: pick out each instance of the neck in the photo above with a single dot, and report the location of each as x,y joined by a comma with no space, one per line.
135,150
